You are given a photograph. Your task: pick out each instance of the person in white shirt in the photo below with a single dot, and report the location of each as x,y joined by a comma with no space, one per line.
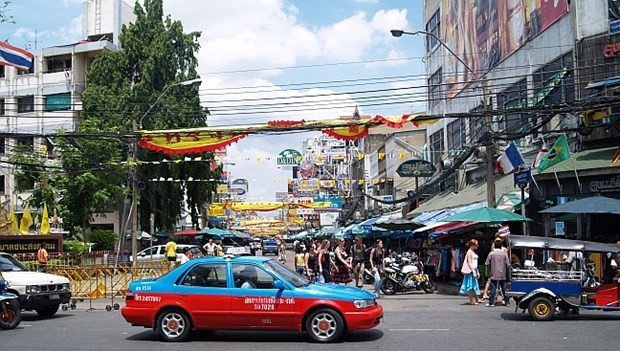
210,248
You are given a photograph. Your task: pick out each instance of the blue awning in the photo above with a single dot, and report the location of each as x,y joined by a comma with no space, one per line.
367,224
607,82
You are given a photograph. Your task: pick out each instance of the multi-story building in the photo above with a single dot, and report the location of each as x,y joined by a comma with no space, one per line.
48,97
523,72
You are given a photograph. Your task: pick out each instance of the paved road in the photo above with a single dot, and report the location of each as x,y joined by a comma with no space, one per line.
415,321
412,322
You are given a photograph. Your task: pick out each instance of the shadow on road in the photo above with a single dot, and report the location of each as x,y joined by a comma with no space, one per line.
525,317
260,337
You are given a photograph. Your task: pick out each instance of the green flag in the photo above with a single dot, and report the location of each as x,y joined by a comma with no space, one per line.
558,153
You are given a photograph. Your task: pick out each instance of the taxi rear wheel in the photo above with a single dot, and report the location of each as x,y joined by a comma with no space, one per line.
325,325
173,325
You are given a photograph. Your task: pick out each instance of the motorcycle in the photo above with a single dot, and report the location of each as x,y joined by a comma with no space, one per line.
10,313
405,274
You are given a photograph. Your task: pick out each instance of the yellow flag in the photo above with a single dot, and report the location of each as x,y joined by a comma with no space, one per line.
14,225
24,226
45,221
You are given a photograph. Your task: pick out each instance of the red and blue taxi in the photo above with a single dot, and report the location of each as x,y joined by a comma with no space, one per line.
246,293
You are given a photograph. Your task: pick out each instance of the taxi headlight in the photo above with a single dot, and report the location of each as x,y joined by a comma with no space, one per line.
66,286
33,289
363,303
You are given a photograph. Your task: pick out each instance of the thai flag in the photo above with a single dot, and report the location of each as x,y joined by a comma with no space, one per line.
509,160
16,57
504,231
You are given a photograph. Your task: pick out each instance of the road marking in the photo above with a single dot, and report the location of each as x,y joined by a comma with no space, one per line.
419,329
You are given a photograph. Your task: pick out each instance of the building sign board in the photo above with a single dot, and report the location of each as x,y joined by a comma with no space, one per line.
416,168
288,157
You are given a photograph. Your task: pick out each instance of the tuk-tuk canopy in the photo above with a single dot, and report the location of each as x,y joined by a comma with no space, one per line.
539,242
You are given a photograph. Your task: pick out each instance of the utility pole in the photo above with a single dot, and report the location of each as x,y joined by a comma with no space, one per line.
134,197
490,146
488,119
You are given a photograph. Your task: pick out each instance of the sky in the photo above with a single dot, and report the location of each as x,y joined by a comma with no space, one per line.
263,60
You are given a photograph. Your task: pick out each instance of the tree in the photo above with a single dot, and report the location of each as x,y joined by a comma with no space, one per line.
124,84
4,16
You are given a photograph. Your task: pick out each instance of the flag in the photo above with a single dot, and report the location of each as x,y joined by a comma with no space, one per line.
509,160
615,158
45,221
24,226
504,231
16,57
558,153
14,225
541,154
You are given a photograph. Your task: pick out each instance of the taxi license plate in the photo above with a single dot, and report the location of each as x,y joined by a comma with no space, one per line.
54,297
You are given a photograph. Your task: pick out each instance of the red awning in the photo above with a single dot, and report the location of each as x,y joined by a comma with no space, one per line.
188,232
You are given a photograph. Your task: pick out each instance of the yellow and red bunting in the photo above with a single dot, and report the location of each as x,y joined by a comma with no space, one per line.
391,121
352,132
179,142
286,123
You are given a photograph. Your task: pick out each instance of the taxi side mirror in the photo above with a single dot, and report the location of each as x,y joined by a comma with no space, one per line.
278,285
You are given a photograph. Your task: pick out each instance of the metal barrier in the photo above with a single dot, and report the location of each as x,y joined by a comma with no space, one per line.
104,281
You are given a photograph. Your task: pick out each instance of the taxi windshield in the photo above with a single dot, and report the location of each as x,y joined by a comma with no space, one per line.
292,277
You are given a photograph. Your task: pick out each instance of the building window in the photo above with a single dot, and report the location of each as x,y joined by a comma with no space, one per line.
58,102
2,72
437,146
555,82
456,135
476,125
1,107
58,64
25,142
29,71
2,146
433,27
514,98
434,88
25,104
2,185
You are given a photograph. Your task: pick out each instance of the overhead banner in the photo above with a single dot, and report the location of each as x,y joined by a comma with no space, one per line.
484,32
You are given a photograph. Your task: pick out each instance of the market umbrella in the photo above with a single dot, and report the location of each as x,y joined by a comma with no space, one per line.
588,205
486,215
397,224
188,232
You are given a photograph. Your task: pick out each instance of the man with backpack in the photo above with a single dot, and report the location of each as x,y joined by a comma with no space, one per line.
357,253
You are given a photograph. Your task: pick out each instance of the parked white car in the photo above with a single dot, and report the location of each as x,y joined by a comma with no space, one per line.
158,253
41,292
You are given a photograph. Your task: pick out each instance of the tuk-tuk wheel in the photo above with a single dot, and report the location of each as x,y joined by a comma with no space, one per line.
541,309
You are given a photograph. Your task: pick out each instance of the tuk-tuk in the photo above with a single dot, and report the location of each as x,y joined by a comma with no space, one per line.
546,283
10,313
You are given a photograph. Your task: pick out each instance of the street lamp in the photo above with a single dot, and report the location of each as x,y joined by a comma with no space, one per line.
134,170
185,82
490,145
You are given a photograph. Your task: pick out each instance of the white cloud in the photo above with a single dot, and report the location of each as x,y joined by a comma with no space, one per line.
246,37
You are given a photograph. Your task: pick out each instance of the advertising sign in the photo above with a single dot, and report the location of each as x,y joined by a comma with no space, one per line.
484,32
30,243
416,168
240,185
614,16
288,157
328,218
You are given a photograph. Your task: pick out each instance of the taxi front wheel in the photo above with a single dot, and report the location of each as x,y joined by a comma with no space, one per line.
325,325
173,325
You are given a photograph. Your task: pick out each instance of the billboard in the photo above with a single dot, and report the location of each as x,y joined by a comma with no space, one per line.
614,16
482,33
240,186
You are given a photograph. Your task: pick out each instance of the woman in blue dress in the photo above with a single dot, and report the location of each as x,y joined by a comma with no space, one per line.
469,286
